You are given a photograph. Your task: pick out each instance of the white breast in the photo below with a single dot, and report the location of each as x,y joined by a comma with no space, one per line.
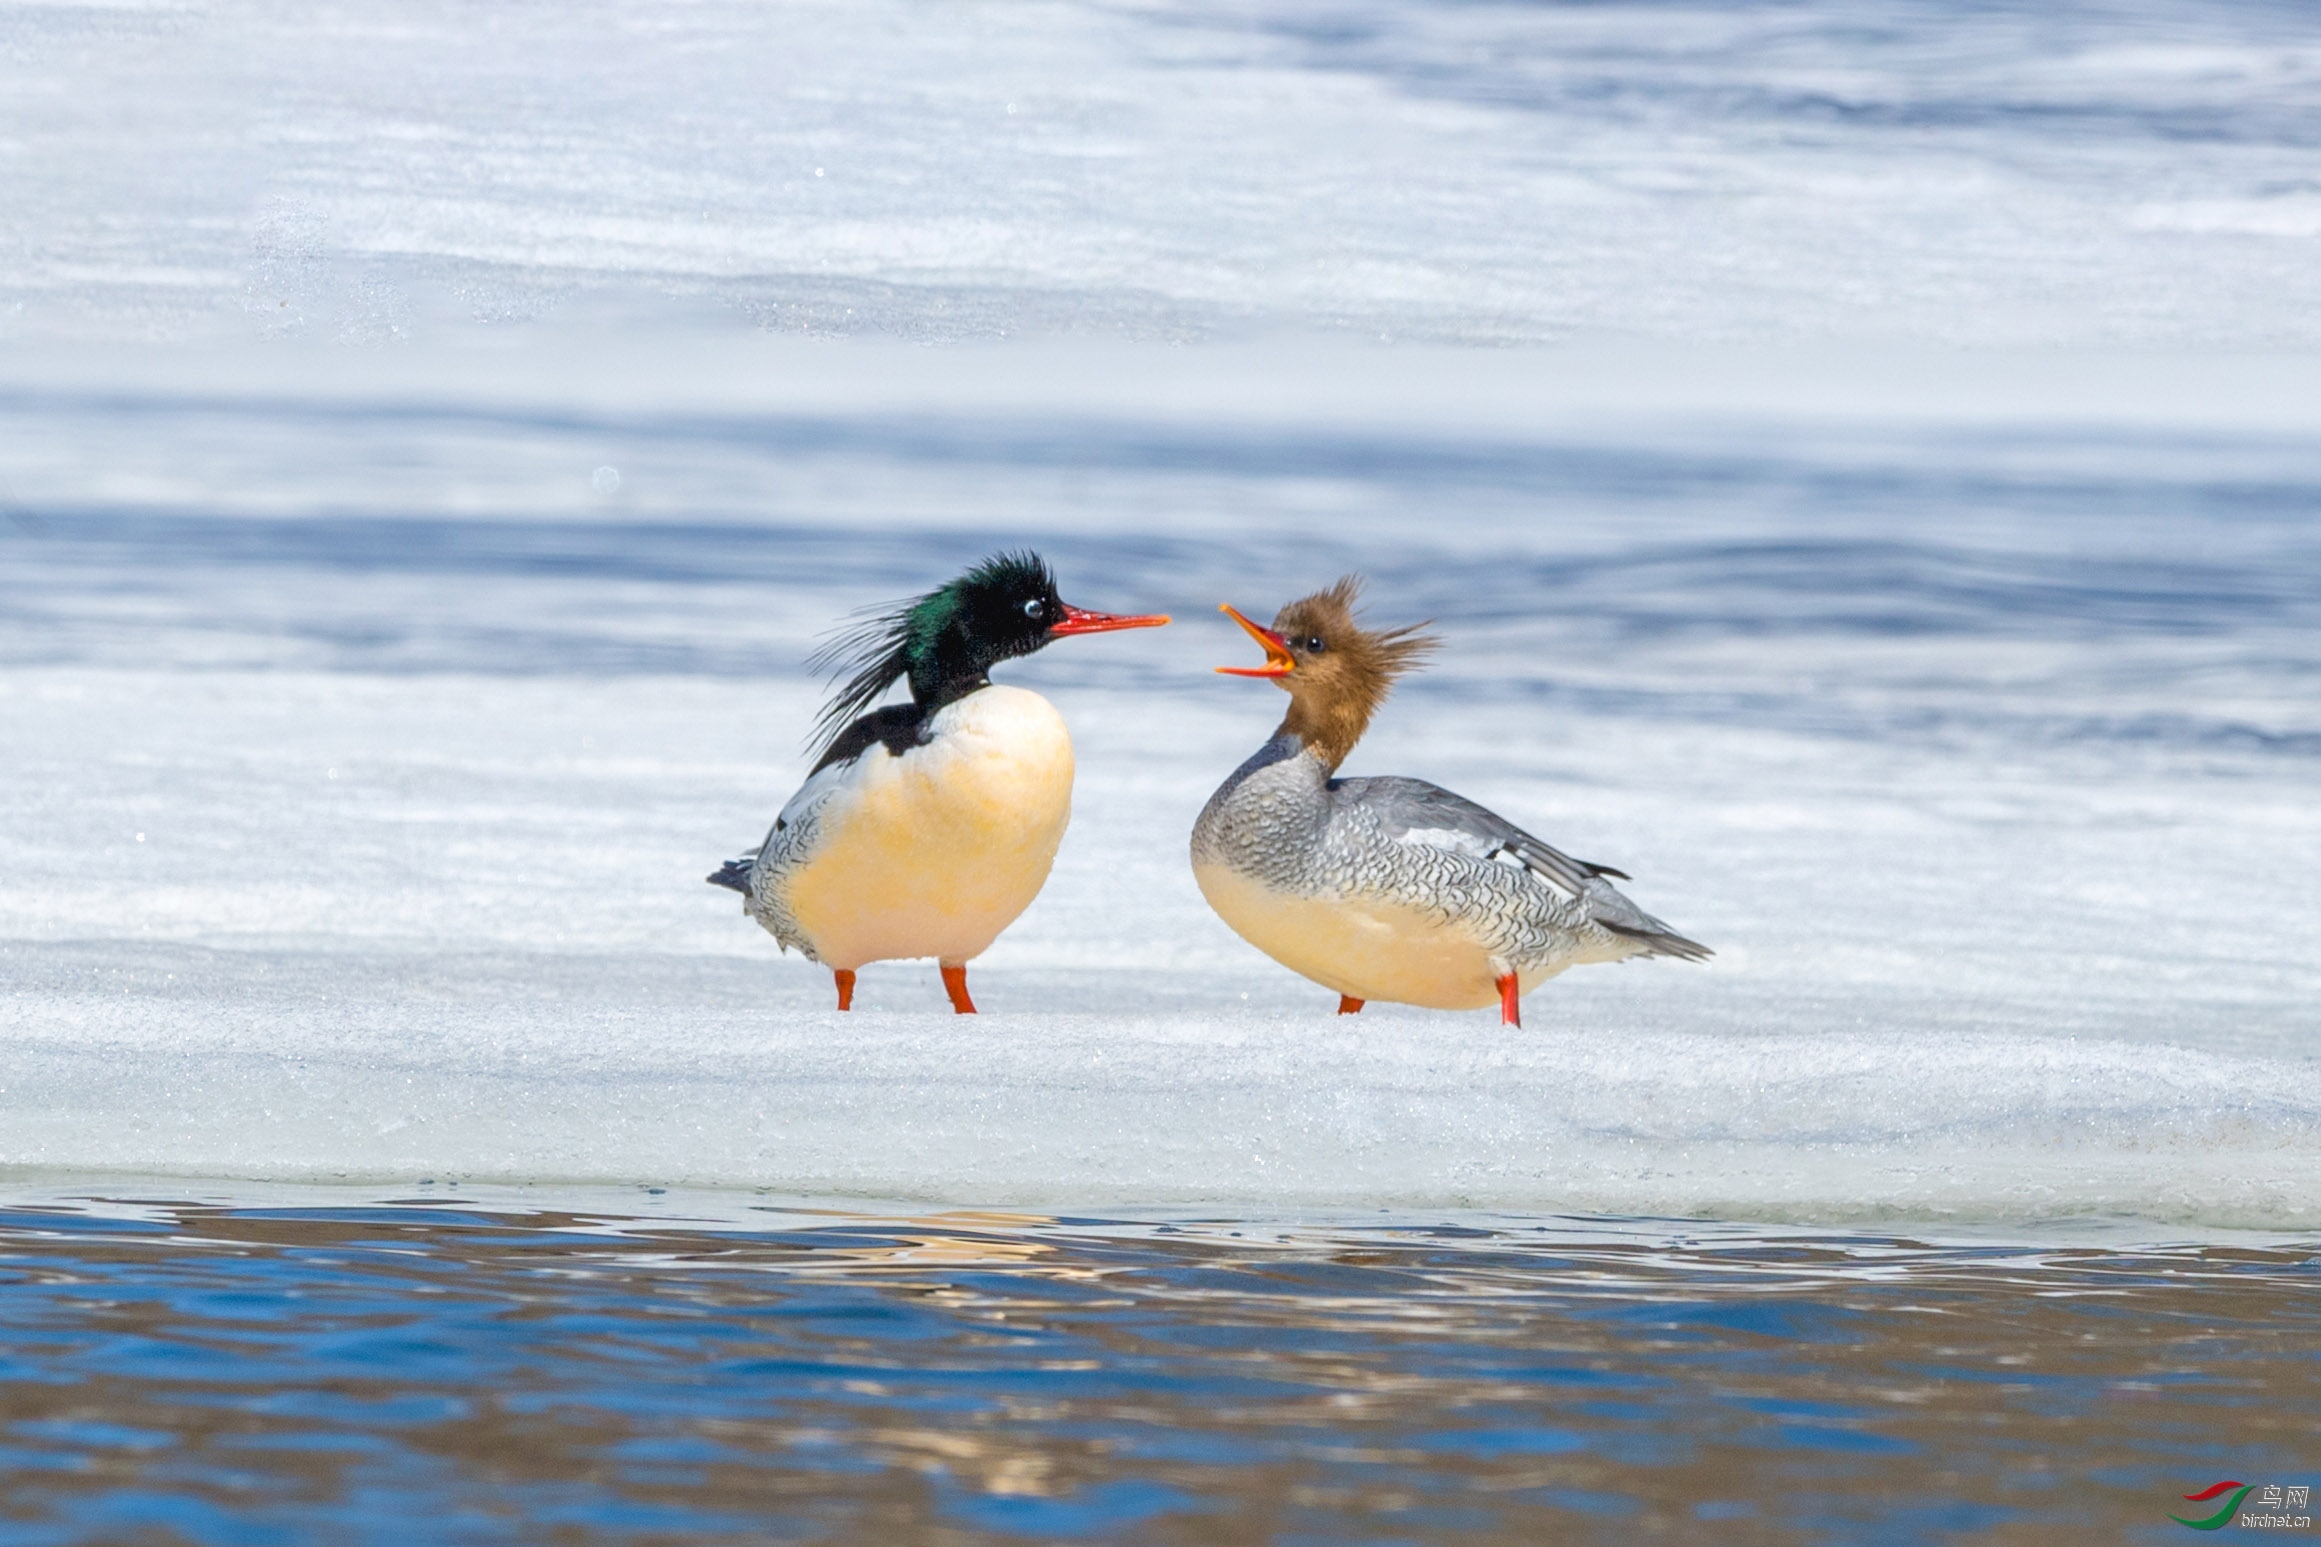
935,852
1370,948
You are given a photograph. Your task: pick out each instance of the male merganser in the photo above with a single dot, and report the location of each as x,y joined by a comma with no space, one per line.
925,828
1391,889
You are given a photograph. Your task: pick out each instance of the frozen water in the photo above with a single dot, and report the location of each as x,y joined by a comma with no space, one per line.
2065,172
376,695
368,755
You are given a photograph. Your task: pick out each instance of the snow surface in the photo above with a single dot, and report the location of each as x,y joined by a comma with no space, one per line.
368,758
2058,171
377,683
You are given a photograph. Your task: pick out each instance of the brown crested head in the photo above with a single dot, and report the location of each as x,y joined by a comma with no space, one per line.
1335,671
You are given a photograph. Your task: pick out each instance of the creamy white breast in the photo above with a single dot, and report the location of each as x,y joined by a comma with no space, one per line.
935,852
1370,948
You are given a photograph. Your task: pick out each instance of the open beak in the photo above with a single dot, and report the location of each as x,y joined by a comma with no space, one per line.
1278,661
1078,620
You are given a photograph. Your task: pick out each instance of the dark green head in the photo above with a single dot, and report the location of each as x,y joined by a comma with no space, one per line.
946,642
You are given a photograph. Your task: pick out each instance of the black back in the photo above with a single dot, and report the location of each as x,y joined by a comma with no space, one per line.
898,727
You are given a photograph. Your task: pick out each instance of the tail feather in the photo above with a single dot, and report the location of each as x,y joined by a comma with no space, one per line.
734,873
1661,942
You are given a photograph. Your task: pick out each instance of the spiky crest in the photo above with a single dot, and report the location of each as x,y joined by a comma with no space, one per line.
926,640
1337,687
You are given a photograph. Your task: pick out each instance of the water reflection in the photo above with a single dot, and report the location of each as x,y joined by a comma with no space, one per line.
201,1372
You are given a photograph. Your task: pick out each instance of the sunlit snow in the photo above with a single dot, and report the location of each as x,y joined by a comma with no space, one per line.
417,500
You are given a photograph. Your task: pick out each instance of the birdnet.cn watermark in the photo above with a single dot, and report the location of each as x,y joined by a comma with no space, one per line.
2266,1506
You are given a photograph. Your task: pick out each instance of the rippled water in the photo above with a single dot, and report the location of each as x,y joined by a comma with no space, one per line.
436,1365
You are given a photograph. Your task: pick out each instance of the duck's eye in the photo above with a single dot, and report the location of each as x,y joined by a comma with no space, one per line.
1314,645
1035,608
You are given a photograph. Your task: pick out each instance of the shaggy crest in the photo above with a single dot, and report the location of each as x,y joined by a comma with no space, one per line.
1343,671
930,640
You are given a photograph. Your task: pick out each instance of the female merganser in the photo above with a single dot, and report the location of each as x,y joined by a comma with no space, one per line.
927,827
1391,889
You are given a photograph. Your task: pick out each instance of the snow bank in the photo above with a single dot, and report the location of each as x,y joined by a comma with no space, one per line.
373,697
471,1069
367,755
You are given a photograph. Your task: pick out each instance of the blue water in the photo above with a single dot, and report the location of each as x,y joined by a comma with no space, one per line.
699,1368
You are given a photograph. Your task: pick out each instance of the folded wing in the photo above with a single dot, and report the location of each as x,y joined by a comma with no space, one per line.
1414,811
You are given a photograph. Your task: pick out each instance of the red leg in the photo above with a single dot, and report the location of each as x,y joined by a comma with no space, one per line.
955,984
845,987
1510,1007
1349,1005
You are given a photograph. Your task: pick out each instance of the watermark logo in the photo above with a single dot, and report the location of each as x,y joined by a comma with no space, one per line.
2277,1507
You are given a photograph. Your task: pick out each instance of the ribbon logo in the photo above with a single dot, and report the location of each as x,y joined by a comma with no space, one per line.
2217,1521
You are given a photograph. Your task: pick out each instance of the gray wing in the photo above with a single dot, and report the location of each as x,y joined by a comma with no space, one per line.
740,874
1414,811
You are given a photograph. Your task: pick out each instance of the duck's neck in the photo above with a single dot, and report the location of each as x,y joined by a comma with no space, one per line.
1328,731
942,677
